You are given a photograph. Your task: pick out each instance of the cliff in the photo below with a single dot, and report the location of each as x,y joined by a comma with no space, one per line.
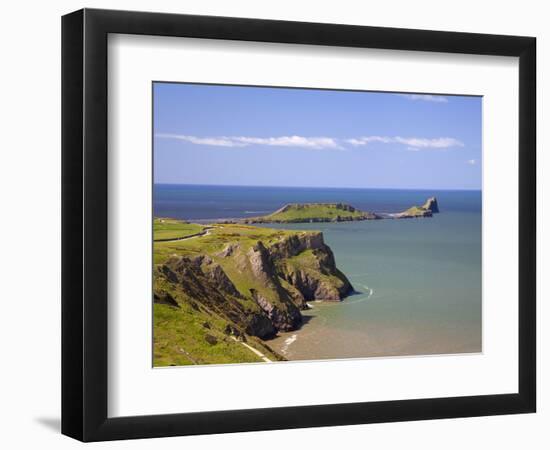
254,281
431,205
429,208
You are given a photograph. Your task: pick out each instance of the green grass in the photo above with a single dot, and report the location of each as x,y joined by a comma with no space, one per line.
183,335
180,338
218,238
308,211
307,262
174,229
237,268
415,211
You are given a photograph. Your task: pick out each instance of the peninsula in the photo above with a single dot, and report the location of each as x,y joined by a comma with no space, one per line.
217,295
335,212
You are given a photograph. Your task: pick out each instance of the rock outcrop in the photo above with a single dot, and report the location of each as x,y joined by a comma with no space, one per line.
426,210
201,281
271,282
413,213
431,205
165,298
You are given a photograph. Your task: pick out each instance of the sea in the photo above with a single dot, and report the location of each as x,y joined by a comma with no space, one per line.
417,281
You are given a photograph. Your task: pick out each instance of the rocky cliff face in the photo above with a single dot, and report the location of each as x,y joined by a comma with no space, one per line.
259,288
201,281
429,208
431,205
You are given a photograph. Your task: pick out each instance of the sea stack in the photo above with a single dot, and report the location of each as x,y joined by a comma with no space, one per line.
431,204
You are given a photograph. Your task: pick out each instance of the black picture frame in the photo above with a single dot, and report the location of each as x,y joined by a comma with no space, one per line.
84,224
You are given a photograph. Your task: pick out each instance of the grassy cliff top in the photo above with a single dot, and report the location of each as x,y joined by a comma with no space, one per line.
174,229
229,245
217,238
306,211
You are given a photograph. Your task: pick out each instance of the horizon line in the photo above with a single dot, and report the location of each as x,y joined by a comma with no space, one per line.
318,187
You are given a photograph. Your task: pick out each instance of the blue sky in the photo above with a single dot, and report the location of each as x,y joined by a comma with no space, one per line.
231,135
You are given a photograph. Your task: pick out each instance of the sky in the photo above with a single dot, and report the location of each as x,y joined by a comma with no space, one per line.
257,136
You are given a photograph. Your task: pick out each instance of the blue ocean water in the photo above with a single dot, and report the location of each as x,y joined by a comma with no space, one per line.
192,202
418,280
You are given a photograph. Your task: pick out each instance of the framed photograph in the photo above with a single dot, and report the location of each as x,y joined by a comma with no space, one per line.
273,224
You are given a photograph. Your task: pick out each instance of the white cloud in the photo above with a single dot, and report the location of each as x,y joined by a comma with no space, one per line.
215,141
412,143
444,142
425,97
245,141
291,141
317,143
368,139
472,162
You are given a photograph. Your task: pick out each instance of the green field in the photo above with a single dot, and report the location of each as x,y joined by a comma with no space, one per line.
174,229
186,336
220,235
314,211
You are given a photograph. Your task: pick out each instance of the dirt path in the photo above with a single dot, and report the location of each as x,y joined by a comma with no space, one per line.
205,232
253,350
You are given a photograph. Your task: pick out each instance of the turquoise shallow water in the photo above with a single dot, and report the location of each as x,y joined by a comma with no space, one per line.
418,280
419,284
